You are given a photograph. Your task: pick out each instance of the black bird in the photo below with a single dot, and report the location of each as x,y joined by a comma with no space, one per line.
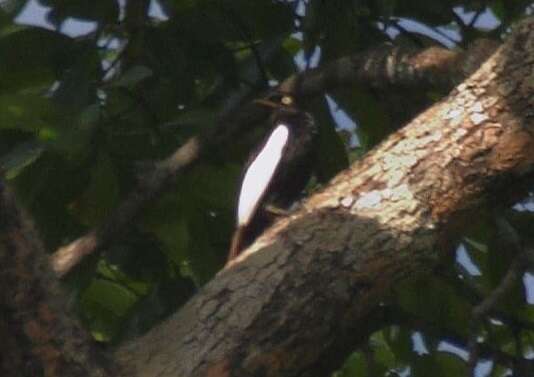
277,171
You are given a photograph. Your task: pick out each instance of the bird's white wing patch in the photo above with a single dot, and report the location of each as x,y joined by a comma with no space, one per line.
260,173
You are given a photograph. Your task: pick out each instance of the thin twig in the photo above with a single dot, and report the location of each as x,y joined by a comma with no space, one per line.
482,310
113,64
395,23
445,35
475,18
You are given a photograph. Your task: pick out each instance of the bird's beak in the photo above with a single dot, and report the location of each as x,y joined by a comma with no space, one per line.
267,103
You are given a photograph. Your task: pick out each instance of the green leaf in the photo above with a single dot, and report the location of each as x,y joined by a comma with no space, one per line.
77,88
197,118
105,305
32,57
46,188
213,185
508,11
96,10
94,205
194,223
292,45
445,307
479,246
450,364
257,17
283,65
354,366
438,364
166,220
12,7
383,356
431,13
113,272
372,119
27,112
19,158
399,339
72,134
132,76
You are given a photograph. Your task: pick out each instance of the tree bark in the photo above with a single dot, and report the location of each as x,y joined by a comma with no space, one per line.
302,296
40,336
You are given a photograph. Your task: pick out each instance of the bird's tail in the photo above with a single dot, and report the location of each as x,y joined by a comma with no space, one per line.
236,245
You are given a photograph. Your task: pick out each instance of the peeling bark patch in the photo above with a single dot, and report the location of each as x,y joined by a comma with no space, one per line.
368,200
478,118
346,201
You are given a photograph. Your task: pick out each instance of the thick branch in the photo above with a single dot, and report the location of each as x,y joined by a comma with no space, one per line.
39,336
301,297
384,66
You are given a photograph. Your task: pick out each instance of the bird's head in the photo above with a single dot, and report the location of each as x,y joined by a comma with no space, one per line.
279,101
286,110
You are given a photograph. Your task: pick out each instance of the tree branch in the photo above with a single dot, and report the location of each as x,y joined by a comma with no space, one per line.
40,335
381,67
301,297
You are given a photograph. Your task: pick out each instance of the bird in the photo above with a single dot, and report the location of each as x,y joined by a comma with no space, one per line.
277,170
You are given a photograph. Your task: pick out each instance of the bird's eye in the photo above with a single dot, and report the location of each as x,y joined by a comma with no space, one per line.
286,100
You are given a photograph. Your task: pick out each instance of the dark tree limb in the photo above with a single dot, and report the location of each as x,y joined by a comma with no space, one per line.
39,336
302,296
381,67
